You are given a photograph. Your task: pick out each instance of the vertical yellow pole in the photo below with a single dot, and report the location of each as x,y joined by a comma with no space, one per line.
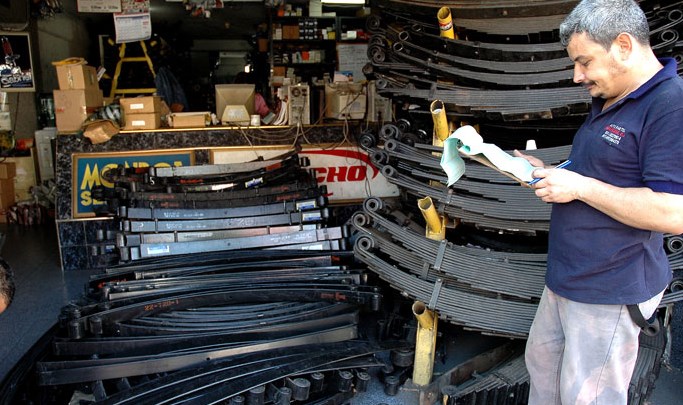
445,23
436,224
425,344
441,130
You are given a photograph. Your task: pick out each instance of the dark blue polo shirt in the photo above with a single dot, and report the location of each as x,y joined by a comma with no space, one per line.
637,142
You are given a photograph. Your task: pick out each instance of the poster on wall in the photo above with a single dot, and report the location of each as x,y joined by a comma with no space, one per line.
88,168
351,59
132,27
16,68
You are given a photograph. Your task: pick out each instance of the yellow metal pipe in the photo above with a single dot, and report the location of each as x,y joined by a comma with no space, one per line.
445,23
425,344
436,224
438,110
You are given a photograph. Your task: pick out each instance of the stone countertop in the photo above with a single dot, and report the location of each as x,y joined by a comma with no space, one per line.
202,140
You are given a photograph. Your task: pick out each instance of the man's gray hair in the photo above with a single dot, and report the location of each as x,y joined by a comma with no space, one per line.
7,287
604,20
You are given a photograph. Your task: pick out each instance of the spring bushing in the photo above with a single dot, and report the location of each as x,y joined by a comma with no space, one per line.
362,381
389,131
376,302
391,385
300,387
96,325
403,124
257,395
386,371
283,396
344,381
402,357
236,400
368,139
317,382
76,330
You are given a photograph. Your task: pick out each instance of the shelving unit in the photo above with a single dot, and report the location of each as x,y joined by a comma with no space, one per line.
303,48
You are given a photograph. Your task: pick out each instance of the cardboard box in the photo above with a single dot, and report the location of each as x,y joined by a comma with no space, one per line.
345,100
190,119
279,70
140,105
262,44
72,107
290,32
7,198
7,170
100,131
143,121
25,178
77,77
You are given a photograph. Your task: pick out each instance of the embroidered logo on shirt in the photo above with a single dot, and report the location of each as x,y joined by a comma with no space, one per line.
613,133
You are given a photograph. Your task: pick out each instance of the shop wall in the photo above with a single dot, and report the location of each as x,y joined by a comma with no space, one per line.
60,37
56,38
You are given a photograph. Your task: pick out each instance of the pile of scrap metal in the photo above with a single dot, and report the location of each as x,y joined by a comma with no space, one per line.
504,63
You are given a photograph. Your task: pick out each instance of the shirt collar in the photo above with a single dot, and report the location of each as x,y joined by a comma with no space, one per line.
668,71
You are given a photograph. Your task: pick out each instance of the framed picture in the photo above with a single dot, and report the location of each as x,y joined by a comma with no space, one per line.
16,66
88,168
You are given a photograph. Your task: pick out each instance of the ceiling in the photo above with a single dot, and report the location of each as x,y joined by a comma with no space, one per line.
236,20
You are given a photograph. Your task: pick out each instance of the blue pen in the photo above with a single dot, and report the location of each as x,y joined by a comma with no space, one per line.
560,166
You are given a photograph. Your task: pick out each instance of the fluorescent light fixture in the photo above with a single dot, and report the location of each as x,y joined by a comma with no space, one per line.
343,1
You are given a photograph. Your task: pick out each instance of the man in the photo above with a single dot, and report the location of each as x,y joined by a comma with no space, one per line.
6,285
622,191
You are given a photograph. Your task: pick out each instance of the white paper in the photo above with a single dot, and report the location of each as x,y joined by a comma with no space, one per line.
471,143
132,27
451,162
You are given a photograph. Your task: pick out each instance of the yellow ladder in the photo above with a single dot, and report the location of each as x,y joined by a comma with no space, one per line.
122,59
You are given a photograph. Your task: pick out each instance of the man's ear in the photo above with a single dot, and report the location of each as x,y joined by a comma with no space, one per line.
624,45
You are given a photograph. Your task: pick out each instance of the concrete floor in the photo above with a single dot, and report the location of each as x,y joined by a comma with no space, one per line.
42,290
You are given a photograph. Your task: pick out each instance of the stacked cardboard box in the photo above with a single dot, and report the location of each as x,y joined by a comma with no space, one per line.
141,112
190,119
78,96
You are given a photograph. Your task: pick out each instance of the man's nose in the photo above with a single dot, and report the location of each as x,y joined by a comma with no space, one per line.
578,75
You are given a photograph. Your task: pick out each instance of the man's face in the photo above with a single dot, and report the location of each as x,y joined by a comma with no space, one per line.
3,305
595,68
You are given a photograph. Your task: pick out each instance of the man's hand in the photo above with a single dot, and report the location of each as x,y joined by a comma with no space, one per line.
558,185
